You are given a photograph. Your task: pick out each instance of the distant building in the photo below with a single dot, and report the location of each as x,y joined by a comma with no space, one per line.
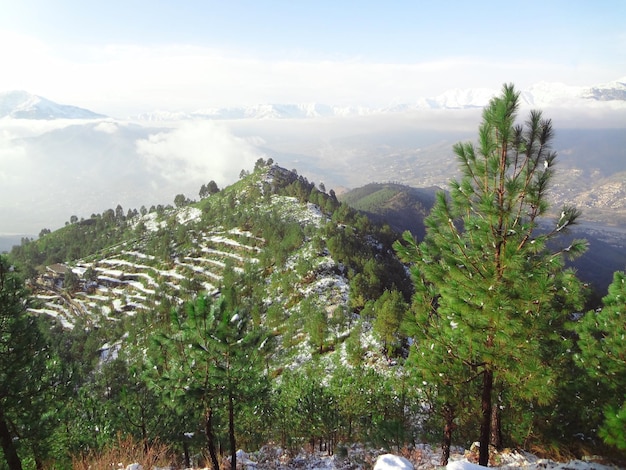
57,269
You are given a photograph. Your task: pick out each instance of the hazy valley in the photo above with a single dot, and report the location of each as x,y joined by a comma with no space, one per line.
53,167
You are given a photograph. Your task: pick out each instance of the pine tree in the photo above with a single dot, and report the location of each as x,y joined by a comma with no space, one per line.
487,282
603,356
25,372
390,309
212,357
12,324
315,323
212,187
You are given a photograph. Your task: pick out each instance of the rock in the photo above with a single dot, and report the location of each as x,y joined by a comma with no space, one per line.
392,462
463,465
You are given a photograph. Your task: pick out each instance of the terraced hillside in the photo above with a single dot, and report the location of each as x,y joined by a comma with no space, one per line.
128,281
290,257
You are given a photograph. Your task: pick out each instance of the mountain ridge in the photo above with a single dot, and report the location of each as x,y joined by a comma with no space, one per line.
402,207
19,104
23,105
542,94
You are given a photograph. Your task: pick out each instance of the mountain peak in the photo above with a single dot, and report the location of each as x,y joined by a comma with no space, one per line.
541,94
20,104
611,91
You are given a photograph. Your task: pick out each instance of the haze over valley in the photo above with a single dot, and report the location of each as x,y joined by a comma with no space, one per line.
56,163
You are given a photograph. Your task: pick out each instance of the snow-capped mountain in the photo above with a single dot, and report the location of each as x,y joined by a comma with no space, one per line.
20,104
549,93
615,90
260,111
24,105
542,94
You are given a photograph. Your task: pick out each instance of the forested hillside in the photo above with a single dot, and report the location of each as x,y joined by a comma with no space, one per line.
318,281
269,312
405,208
400,206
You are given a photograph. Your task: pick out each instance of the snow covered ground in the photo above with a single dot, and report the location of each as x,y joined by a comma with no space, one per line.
128,281
422,457
426,457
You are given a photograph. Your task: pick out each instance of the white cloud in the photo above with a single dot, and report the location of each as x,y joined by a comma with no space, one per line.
197,151
108,127
123,80
13,160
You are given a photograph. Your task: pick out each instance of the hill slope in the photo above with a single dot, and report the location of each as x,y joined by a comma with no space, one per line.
400,206
404,208
289,256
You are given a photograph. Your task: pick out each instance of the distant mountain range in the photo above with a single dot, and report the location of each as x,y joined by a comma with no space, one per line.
543,94
23,105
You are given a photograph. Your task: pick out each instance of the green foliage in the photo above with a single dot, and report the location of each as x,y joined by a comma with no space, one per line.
74,241
488,307
613,430
354,346
315,323
603,357
372,201
27,406
183,365
70,281
351,405
180,200
211,358
390,310
400,206
601,336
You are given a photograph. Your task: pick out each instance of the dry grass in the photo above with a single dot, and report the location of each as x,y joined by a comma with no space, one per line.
553,452
415,456
124,452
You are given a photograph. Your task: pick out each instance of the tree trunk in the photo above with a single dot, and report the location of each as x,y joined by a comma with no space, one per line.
231,432
496,426
485,425
447,435
144,438
6,439
349,429
186,452
210,438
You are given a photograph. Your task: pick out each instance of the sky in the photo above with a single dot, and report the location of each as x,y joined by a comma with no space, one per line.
122,58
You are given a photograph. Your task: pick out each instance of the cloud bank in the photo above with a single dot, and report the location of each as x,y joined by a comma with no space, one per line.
197,151
50,170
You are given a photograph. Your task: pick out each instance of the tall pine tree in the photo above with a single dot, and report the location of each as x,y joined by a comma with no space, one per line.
603,356
488,283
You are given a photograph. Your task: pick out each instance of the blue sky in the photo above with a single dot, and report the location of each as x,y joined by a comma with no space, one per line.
124,57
